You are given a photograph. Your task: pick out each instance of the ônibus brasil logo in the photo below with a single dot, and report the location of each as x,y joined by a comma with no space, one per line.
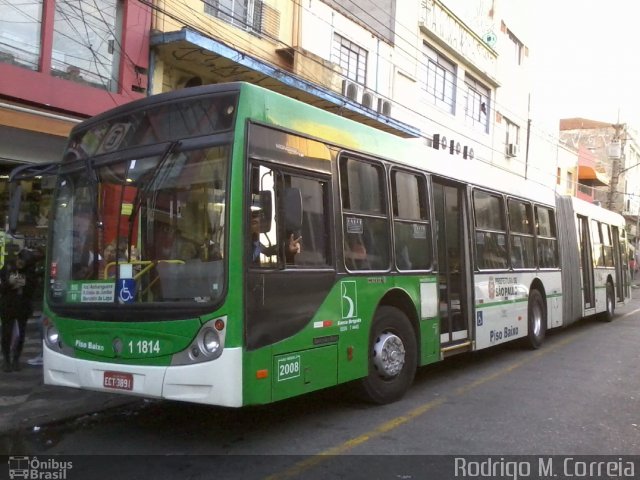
34,468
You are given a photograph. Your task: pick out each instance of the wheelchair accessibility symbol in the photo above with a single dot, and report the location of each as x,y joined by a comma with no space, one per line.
126,290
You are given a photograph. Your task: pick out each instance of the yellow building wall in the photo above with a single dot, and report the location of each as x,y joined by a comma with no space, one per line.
278,33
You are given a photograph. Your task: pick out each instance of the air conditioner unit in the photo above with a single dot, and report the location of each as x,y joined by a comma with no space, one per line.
369,100
438,141
512,150
351,90
384,107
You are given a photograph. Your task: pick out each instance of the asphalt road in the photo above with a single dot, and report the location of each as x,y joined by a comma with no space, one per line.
577,395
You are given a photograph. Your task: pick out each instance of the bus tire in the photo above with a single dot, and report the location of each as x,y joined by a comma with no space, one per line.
393,357
610,305
537,320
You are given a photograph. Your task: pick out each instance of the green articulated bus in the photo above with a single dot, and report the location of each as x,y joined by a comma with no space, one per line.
228,245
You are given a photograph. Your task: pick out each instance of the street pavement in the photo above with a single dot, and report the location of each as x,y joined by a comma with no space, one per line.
26,402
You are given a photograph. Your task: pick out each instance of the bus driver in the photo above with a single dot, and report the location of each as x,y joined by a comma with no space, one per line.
293,245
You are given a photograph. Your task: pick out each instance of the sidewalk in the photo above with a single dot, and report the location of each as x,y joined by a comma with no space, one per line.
26,402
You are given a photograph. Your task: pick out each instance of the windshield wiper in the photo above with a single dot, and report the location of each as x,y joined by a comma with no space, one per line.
142,193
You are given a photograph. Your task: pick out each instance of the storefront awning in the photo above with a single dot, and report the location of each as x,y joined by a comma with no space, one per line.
214,61
588,175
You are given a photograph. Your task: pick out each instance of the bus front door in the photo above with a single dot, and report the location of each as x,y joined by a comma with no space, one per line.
452,263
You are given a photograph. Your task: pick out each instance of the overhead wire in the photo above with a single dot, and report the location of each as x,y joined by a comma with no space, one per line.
98,59
195,15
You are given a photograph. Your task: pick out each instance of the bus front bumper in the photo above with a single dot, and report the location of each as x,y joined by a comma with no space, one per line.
217,382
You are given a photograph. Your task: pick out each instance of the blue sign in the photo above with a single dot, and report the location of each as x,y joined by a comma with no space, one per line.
126,290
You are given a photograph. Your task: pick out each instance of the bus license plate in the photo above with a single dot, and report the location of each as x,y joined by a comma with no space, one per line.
118,380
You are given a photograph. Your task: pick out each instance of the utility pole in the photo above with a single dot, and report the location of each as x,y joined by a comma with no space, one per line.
526,155
616,154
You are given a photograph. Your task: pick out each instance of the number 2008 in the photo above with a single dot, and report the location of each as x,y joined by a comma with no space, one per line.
289,368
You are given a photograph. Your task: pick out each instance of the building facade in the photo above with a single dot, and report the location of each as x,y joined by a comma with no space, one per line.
61,62
609,165
455,72
454,75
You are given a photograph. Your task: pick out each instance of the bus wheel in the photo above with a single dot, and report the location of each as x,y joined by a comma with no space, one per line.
607,315
392,357
537,321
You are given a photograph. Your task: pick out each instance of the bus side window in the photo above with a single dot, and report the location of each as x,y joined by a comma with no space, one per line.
547,241
491,238
412,231
366,223
493,253
312,234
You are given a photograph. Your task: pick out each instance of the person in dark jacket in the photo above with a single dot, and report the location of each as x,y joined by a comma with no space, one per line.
17,285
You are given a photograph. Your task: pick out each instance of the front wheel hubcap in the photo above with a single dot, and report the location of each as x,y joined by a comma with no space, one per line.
388,355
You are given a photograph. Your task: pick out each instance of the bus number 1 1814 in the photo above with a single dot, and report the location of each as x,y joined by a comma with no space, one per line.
144,346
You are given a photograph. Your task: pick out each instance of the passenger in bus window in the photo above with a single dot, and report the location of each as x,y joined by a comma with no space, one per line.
356,253
115,251
210,250
109,254
83,258
108,257
293,244
293,247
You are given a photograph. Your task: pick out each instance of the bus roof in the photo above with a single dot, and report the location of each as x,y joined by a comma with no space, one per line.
271,108
596,212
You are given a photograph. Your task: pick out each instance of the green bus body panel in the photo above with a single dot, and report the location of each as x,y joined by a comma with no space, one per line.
305,371
281,111
92,340
336,340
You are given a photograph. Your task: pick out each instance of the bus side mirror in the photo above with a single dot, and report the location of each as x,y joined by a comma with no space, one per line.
266,211
292,209
15,198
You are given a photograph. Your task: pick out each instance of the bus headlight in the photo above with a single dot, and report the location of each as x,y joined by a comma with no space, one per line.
208,344
52,337
210,341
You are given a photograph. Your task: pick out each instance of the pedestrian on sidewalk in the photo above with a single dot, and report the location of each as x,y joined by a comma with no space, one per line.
17,285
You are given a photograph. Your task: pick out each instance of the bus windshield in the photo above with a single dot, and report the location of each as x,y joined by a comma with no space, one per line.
141,230
138,214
